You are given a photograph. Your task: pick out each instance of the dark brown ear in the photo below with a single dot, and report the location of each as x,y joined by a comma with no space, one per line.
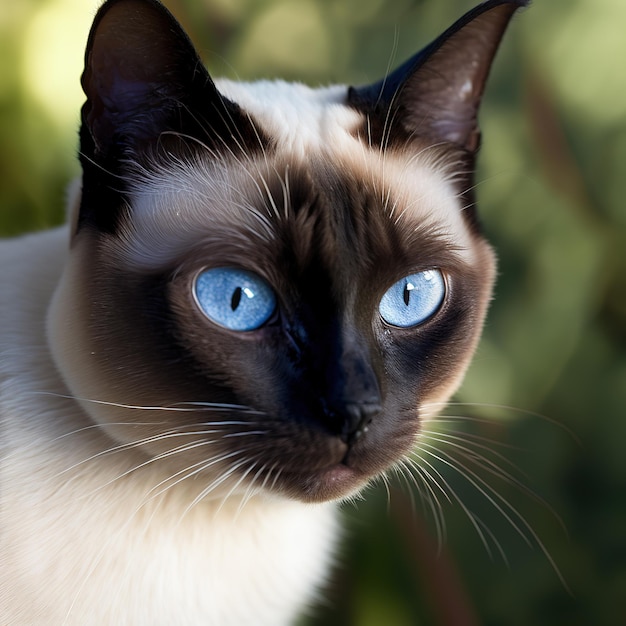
142,75
147,93
436,93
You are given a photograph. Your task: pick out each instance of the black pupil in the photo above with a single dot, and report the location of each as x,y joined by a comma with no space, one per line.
407,294
236,299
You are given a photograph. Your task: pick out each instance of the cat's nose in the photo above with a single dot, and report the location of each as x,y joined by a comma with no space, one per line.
357,417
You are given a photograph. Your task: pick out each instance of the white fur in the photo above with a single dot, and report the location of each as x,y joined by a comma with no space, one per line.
301,119
83,543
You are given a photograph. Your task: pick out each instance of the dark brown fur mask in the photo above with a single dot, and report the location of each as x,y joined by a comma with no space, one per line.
267,284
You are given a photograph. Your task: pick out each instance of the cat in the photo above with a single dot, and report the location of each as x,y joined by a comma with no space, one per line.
259,288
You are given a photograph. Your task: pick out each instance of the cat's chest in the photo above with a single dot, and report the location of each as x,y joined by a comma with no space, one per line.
162,561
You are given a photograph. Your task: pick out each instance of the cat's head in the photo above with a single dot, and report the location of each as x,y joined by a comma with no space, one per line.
268,283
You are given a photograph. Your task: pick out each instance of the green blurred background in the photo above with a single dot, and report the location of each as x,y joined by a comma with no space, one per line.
538,429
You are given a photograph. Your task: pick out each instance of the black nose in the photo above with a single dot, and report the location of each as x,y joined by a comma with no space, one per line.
356,418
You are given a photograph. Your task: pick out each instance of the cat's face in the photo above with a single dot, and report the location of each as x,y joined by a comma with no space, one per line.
266,283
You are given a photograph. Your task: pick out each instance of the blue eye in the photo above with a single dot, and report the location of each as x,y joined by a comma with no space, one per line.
234,298
413,299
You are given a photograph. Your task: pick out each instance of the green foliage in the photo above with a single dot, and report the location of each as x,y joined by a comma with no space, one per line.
550,374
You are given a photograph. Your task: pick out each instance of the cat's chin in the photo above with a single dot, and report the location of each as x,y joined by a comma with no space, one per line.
333,483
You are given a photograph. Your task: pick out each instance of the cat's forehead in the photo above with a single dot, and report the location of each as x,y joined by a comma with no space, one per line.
315,152
298,118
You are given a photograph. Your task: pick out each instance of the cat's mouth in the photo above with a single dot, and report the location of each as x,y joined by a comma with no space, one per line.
310,465
333,476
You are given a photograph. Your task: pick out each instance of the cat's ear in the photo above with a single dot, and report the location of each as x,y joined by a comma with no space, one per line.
148,96
143,78
436,93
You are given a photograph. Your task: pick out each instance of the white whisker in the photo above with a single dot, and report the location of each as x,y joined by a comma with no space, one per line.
215,483
500,504
188,406
438,481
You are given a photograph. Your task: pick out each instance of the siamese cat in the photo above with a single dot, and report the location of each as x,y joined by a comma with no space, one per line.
260,288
